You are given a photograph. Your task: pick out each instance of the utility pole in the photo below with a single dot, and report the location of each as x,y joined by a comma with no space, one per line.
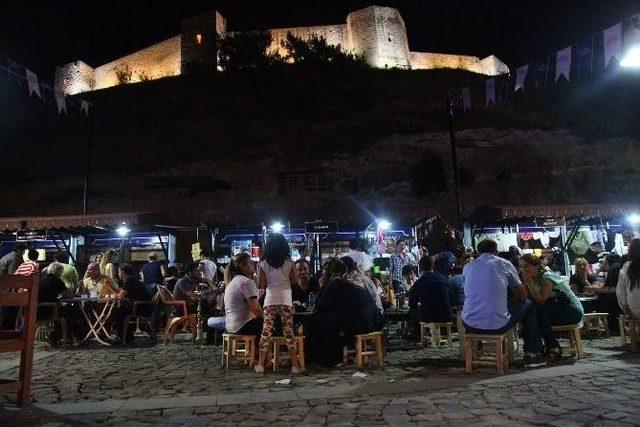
454,158
85,196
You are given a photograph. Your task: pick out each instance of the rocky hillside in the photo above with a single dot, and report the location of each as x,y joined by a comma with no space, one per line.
319,143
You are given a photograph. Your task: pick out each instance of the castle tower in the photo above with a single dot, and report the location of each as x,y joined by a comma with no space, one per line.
198,45
379,34
73,78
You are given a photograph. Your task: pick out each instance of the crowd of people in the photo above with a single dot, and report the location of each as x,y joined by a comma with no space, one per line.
350,296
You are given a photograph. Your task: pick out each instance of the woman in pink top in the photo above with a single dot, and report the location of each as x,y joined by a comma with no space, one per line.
276,273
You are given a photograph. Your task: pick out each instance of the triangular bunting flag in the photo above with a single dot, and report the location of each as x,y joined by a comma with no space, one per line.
521,77
563,63
490,89
466,99
61,103
612,44
84,107
32,83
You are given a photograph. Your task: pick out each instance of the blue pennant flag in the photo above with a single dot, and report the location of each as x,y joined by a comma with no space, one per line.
583,58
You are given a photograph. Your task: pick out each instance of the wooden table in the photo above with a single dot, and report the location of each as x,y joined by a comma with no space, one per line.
97,327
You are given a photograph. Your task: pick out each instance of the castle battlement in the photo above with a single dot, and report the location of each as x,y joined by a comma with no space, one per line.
376,33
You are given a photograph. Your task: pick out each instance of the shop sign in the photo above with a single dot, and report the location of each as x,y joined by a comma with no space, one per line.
321,227
30,235
549,221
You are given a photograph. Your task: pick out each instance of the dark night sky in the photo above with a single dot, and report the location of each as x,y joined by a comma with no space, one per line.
42,34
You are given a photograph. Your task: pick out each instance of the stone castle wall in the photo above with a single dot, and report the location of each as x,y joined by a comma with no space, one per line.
378,34
75,77
333,34
160,60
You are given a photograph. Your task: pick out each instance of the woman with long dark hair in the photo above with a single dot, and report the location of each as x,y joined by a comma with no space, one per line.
628,289
276,272
556,304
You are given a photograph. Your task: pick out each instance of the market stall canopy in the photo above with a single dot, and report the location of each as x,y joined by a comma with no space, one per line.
80,221
497,213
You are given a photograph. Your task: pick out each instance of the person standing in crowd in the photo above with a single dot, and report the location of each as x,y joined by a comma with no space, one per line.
582,278
10,262
152,274
355,275
358,255
242,312
628,289
555,303
30,266
593,253
445,264
429,299
306,285
107,265
276,273
208,267
495,301
69,275
397,262
50,287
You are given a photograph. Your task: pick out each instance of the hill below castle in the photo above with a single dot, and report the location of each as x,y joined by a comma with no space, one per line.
302,139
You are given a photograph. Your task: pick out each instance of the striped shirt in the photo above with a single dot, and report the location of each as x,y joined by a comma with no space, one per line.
26,268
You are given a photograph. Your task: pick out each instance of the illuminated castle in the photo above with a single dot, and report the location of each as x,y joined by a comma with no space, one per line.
376,33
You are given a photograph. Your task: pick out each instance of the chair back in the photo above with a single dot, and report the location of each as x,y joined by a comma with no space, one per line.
163,293
22,292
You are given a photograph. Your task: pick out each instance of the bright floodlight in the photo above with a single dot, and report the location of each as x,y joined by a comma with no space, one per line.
277,227
634,219
384,224
123,230
632,58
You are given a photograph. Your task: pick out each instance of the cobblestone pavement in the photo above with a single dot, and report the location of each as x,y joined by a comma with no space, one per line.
183,384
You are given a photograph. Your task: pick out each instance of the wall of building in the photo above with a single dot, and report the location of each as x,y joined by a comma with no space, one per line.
333,34
74,77
156,61
490,66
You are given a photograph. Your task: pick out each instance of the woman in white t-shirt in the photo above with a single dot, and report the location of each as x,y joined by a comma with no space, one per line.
242,313
276,272
628,288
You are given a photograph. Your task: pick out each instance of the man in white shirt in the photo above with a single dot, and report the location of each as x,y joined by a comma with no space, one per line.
208,267
357,253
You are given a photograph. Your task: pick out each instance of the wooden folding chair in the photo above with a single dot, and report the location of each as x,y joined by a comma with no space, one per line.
21,292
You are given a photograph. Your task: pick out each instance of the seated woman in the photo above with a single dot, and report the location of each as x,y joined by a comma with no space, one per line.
628,289
606,291
99,284
555,303
50,287
343,310
582,277
242,313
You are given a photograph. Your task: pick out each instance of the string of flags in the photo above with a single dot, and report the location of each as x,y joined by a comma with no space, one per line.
600,52
13,72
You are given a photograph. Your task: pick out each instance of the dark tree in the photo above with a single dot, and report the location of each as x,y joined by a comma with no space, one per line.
315,51
428,175
245,51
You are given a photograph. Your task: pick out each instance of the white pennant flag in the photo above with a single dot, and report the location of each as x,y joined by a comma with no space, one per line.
491,91
612,44
521,77
466,99
84,106
563,63
61,103
32,83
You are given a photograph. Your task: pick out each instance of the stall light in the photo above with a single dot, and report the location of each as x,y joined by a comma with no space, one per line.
277,227
384,224
632,58
634,219
123,230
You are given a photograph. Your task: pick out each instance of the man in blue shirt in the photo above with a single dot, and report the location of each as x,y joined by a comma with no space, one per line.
495,301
